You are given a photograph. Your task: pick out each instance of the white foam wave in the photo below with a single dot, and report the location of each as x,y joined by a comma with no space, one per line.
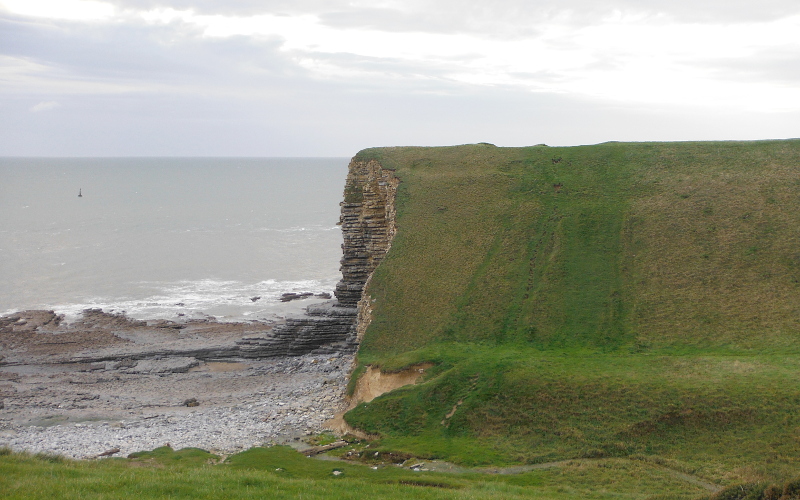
299,229
225,300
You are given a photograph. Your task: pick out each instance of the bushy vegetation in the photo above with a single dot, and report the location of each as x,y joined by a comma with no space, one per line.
594,301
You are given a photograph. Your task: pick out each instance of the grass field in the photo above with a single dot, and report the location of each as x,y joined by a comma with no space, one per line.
595,301
283,473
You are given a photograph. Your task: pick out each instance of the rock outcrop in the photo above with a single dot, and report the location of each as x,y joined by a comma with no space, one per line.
325,329
368,226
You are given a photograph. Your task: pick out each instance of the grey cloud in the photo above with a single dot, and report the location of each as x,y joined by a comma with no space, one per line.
331,120
247,96
159,58
237,7
172,54
539,76
469,19
390,68
500,18
177,56
44,106
517,18
707,9
776,66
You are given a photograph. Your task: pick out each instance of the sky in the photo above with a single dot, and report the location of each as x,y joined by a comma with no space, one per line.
328,78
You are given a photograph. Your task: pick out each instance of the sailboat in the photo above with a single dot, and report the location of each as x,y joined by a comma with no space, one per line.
79,193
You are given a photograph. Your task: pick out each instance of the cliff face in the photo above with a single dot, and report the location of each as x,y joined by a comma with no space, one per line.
368,226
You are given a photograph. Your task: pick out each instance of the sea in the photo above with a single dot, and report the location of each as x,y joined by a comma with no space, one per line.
169,237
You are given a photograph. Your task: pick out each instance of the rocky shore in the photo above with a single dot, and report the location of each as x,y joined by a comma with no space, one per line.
107,382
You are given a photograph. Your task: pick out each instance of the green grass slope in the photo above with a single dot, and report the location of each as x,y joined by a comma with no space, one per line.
622,299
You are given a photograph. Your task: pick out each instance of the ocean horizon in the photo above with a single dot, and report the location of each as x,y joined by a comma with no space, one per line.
169,237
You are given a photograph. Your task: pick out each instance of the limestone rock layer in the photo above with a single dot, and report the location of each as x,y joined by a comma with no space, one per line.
368,226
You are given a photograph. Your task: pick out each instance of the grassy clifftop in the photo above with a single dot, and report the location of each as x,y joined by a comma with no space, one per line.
610,300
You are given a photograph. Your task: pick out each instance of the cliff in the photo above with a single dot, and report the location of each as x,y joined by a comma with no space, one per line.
368,226
606,300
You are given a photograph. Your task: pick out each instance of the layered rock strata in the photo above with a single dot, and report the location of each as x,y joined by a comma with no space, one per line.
368,226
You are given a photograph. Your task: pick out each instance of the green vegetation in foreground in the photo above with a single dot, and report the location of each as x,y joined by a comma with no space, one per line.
612,300
280,472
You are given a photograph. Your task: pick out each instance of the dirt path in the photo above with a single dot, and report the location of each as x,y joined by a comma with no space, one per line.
450,468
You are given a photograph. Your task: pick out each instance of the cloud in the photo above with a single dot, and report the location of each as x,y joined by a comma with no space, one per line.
497,18
134,57
45,106
237,7
84,10
779,65
207,76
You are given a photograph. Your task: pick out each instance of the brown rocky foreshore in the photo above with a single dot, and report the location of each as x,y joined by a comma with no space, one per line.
107,381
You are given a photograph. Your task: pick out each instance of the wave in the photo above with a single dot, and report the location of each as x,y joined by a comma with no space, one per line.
225,300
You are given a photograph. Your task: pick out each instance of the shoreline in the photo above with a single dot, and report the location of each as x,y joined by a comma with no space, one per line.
109,382
253,308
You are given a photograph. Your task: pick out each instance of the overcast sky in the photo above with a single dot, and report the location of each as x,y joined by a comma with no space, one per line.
330,77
